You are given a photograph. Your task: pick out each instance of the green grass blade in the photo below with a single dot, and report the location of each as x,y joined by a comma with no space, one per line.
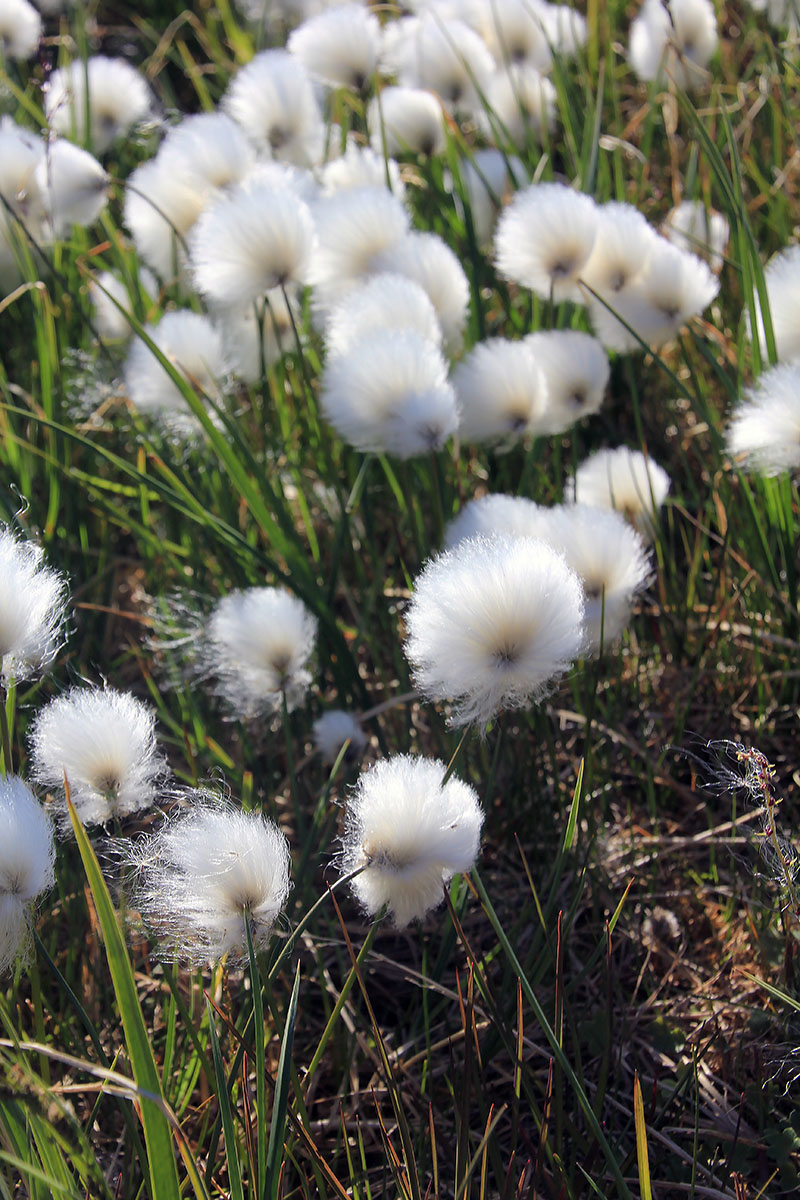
280,1102
223,1099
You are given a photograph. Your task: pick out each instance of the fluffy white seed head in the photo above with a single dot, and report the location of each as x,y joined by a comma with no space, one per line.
621,248
693,227
104,742
406,120
390,394
626,480
108,320
20,29
512,516
257,645
162,204
410,833
193,345
500,390
609,557
764,431
575,370
72,187
672,287
273,100
332,730
249,242
361,167
492,624
381,303
117,99
516,33
673,41
206,871
27,855
521,106
33,598
446,57
782,277
353,229
339,46
429,261
210,148
544,239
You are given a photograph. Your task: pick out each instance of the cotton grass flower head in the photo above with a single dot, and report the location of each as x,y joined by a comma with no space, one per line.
27,856
193,345
207,871
72,187
764,430
33,599
382,302
429,261
210,148
575,372
332,730
20,29
512,516
782,279
544,239
408,833
610,558
516,33
360,167
446,57
249,242
492,624
162,203
521,106
621,248
673,41
500,390
104,742
406,120
106,288
353,228
339,46
626,480
672,287
390,394
257,645
272,98
691,226
116,99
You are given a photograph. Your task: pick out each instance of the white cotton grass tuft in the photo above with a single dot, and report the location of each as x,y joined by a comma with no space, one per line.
544,239
622,245
106,288
72,186
193,345
492,624
332,730
521,106
273,100
162,204
390,394
210,148
516,33
249,242
609,557
257,645
117,98
210,868
104,742
673,41
672,287
20,29
406,120
353,229
27,857
382,302
694,227
782,279
512,516
408,834
500,390
339,46
575,371
360,167
764,429
626,480
428,260
445,57
33,600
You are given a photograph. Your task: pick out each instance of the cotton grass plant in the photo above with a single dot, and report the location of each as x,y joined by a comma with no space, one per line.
439,290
